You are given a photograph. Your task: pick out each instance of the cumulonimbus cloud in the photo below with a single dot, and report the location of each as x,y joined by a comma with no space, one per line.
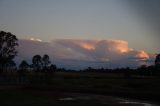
115,53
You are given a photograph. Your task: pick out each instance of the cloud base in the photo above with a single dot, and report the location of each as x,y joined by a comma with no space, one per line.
80,54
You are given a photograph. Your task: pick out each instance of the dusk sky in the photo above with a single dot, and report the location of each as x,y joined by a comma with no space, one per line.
132,24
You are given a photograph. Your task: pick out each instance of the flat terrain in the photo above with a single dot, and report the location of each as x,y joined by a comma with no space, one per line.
19,97
82,89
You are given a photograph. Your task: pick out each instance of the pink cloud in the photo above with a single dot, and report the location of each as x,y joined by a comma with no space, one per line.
109,51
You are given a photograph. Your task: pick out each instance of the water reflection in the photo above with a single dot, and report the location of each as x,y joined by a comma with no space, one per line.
108,99
66,99
136,103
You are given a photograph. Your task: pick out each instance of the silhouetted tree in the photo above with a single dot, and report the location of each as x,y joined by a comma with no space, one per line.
37,62
157,60
8,43
23,65
53,67
46,61
89,69
157,65
49,74
11,66
22,71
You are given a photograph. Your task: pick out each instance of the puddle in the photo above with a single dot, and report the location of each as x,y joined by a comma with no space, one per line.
106,100
76,98
67,99
136,103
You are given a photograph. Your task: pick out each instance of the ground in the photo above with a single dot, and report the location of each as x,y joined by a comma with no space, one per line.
24,97
83,89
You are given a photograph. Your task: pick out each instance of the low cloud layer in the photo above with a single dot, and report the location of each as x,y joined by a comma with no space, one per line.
73,53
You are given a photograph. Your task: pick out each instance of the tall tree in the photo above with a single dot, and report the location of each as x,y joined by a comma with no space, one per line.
37,62
46,60
8,43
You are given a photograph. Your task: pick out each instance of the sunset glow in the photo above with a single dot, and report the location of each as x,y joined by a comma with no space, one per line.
87,46
79,52
33,39
142,54
83,30
109,51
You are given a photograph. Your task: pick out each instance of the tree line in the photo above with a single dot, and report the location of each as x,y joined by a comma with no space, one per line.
9,43
38,64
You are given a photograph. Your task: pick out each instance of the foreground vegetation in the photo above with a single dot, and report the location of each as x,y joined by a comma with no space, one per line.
34,89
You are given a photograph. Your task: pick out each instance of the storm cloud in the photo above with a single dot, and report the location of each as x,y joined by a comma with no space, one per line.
78,53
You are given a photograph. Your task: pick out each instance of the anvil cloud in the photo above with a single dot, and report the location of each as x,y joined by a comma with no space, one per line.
76,53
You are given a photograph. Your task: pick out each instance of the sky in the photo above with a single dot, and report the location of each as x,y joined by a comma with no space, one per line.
135,22
80,54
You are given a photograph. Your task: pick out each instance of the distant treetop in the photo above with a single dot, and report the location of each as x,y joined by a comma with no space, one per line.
157,60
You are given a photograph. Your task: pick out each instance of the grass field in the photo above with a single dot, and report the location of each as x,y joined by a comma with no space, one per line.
71,85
